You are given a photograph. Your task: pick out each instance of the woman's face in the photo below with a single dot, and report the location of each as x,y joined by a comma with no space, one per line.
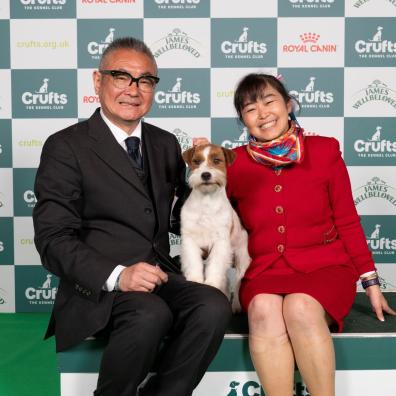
267,117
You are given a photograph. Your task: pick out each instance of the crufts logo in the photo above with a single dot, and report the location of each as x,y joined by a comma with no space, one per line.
375,147
375,188
176,40
252,388
380,245
241,140
376,47
30,198
309,45
177,4
176,98
374,92
43,99
44,294
42,5
96,49
243,48
310,97
311,3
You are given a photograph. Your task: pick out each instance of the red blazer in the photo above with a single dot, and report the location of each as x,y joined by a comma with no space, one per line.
304,212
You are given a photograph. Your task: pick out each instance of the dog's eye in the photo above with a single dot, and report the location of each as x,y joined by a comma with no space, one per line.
217,161
196,161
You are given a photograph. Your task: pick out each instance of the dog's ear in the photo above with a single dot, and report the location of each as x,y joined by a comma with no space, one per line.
229,155
188,155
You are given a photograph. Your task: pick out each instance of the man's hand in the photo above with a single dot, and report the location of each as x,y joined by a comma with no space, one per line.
142,277
378,302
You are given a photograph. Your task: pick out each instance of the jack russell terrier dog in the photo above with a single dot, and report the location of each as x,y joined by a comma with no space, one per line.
212,237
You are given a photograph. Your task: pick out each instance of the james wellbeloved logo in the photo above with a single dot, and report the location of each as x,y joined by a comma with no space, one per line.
176,8
43,8
238,42
377,91
94,36
370,43
375,188
182,93
44,93
177,40
362,3
183,138
309,43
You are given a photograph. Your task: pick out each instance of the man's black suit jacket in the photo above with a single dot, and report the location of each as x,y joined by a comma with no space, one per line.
93,213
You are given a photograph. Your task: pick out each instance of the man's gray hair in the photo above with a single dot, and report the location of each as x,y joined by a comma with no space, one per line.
129,43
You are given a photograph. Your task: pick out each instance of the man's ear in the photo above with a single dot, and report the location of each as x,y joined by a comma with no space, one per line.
229,155
188,154
97,80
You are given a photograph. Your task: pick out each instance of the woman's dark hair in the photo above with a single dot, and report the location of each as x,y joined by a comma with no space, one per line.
251,87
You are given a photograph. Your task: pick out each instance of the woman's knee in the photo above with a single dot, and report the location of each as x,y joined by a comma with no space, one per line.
303,311
265,314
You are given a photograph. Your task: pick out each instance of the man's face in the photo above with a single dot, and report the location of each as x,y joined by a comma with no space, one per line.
124,107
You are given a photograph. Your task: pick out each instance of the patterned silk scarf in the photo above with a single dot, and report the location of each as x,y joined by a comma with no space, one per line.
286,149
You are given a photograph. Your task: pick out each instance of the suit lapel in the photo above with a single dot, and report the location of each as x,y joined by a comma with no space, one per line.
108,149
154,155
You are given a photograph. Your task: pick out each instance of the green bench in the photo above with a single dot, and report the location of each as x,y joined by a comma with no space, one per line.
365,360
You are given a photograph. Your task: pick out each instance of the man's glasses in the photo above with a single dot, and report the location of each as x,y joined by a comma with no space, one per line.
122,80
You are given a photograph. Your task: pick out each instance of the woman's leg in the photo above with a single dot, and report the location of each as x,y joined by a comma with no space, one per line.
269,344
307,326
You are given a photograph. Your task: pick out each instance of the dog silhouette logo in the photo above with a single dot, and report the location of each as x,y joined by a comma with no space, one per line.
378,35
177,86
243,37
110,37
376,232
311,84
47,282
377,135
232,391
44,86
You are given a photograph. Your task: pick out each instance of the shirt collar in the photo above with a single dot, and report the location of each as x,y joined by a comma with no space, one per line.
118,133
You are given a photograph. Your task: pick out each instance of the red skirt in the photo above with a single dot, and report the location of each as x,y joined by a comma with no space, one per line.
333,287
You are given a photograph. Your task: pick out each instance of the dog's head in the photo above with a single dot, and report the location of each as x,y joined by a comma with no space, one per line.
208,164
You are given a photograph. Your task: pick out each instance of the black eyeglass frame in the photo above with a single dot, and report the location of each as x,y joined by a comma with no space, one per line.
114,73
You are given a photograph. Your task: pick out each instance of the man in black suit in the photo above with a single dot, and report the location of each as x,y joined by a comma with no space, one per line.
101,225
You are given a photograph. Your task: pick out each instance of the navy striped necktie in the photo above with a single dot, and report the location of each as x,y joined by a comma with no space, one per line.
133,147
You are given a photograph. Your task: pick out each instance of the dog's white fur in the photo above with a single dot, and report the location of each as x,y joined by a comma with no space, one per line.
209,225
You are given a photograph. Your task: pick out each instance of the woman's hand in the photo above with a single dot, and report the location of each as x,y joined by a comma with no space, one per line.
379,305
198,141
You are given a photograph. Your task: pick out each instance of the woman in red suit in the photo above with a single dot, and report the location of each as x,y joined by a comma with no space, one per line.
308,248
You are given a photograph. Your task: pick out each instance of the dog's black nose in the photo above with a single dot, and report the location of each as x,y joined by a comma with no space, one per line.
206,176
